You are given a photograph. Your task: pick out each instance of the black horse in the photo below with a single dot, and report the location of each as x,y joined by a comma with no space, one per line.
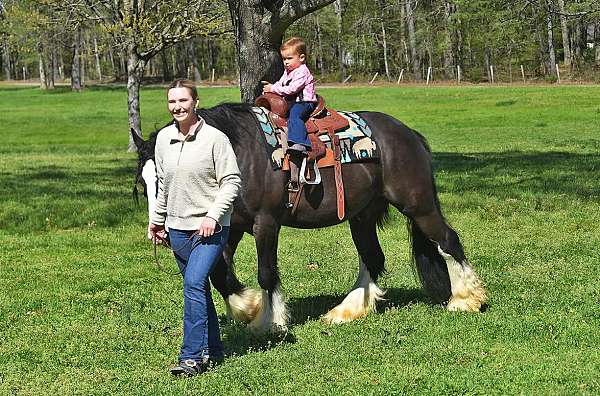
402,177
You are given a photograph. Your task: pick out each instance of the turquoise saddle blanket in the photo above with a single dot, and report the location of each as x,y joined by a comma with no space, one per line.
356,142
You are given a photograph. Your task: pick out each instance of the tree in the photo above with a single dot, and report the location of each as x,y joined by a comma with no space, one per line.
412,38
142,29
564,27
259,26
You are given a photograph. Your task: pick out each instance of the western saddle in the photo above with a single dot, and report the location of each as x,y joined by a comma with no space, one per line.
322,121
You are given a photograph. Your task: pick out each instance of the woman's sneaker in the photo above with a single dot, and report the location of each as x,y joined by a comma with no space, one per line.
189,368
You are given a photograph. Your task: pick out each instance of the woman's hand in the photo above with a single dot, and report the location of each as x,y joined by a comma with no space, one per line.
157,233
207,227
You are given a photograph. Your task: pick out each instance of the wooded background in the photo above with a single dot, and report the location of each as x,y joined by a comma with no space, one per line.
85,40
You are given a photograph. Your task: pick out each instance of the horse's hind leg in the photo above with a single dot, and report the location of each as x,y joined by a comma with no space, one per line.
442,266
365,292
242,303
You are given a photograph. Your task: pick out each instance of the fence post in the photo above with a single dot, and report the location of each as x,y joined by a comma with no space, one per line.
212,79
558,73
428,74
523,74
400,78
458,73
492,73
374,77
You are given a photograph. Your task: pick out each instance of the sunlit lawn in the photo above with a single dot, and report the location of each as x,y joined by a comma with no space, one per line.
84,311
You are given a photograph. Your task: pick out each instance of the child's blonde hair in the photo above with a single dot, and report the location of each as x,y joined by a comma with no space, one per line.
296,44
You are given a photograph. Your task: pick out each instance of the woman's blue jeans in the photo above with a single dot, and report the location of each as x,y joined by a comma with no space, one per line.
299,113
196,257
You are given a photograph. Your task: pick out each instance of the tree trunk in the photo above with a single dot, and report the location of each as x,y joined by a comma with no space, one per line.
61,68
181,59
541,43
76,63
51,69
488,63
597,43
97,60
319,47
6,58
111,59
42,67
135,71
258,28
194,59
402,33
340,9
167,76
410,22
565,33
550,36
83,70
122,64
257,47
448,56
384,39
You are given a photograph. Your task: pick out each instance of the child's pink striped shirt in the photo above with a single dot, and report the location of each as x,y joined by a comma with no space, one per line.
298,84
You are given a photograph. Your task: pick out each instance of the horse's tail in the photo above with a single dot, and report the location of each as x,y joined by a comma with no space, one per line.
429,264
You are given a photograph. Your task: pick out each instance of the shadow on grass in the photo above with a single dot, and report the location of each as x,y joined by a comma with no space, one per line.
239,340
100,192
59,196
313,307
515,172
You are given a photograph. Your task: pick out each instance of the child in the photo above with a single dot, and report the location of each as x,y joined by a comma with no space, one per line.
298,86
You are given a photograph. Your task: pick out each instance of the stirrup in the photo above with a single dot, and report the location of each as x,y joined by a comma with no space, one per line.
317,179
291,188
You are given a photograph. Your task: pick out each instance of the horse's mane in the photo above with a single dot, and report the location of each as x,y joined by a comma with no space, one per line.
226,118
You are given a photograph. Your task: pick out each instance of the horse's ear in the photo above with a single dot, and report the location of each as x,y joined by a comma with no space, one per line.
137,138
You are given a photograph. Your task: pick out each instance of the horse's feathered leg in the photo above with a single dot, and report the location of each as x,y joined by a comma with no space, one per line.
408,184
442,266
273,313
365,292
242,303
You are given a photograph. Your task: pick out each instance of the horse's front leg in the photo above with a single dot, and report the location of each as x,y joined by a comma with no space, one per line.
242,303
273,314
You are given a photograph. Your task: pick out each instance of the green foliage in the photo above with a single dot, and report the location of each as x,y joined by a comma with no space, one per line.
84,311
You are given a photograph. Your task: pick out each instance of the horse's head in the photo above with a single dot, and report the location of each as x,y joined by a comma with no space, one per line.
146,169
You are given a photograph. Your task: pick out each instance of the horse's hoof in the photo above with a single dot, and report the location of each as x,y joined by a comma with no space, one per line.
356,305
267,328
472,303
339,315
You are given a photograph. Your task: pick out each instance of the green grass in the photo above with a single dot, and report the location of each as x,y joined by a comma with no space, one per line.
84,311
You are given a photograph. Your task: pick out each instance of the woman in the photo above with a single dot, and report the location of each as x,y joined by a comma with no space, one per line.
198,180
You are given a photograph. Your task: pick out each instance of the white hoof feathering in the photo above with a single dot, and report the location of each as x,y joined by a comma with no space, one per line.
359,302
468,293
272,315
244,306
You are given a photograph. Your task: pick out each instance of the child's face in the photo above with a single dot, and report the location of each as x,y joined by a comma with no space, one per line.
291,59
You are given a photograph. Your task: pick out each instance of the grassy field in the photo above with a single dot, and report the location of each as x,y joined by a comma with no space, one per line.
84,311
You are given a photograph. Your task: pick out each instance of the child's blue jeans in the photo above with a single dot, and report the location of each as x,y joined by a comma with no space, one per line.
196,257
298,115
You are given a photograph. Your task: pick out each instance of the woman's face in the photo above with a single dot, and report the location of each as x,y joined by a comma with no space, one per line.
181,105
